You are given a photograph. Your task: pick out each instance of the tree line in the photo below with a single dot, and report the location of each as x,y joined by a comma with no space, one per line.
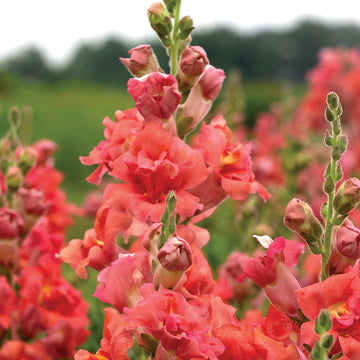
267,54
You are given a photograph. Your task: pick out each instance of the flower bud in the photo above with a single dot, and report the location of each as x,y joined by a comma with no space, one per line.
200,99
333,100
192,64
343,142
186,26
193,61
171,201
27,159
159,19
170,5
347,196
211,82
14,178
15,117
11,224
323,322
175,255
300,218
142,61
329,115
348,240
5,147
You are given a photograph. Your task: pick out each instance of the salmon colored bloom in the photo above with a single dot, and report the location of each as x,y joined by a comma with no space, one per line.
118,135
342,304
116,340
230,163
271,272
121,281
98,248
181,327
259,338
155,164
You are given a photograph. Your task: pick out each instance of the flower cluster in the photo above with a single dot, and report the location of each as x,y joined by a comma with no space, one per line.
42,316
146,243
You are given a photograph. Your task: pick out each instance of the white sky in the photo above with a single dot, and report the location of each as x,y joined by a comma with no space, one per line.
57,27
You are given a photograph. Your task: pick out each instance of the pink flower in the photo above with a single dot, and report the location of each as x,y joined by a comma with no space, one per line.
142,61
98,248
200,99
271,272
116,340
121,281
118,136
155,164
230,163
348,240
180,327
342,304
156,95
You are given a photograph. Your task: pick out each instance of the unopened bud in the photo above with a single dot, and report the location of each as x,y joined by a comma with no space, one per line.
336,153
328,139
11,224
171,5
27,159
343,142
193,61
329,115
14,178
142,61
348,240
327,341
300,218
15,117
347,196
211,82
171,200
192,64
329,185
159,19
186,26
333,101
176,254
323,322
5,147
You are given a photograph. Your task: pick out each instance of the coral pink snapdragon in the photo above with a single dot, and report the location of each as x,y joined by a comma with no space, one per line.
161,179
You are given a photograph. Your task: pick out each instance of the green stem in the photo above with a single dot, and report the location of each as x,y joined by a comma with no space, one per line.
328,226
175,41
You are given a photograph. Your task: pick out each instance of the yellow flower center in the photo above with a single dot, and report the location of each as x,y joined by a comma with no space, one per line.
228,159
338,309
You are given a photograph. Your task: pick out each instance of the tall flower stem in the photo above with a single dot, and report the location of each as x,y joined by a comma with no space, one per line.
332,175
174,49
